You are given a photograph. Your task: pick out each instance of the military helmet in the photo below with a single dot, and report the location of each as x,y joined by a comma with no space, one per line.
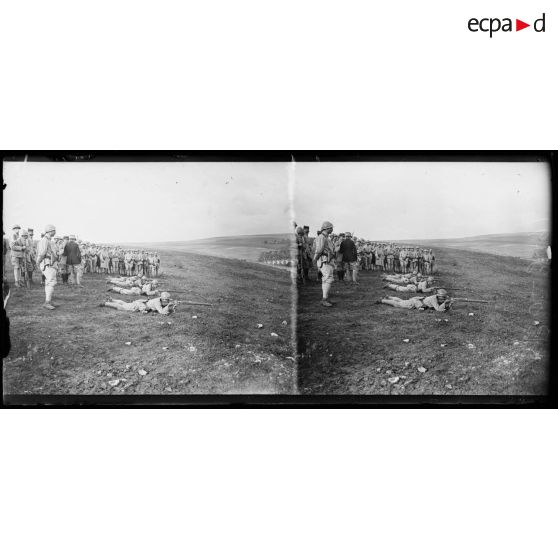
326,225
49,228
15,227
442,292
165,295
348,234
72,237
299,230
30,230
23,232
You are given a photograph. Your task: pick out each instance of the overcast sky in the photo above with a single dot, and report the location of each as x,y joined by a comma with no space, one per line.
137,202
141,202
423,200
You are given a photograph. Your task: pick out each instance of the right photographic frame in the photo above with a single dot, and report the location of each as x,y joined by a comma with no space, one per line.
424,275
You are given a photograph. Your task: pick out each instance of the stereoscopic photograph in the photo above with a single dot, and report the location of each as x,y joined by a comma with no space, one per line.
148,278
306,278
423,278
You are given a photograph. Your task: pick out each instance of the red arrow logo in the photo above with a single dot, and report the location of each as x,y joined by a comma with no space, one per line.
519,25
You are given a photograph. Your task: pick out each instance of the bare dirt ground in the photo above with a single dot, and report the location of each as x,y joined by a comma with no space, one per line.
81,348
357,346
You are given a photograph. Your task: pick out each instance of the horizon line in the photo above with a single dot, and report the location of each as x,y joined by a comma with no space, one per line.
546,231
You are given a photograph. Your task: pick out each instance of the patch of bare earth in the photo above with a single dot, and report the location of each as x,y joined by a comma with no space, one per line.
81,348
359,347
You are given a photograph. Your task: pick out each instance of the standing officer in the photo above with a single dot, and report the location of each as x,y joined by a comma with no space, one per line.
324,254
32,254
27,263
47,259
73,260
18,253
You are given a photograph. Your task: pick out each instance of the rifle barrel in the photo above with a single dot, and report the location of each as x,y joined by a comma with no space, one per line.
472,300
193,303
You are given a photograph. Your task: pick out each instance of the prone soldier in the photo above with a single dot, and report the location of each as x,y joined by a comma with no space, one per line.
162,305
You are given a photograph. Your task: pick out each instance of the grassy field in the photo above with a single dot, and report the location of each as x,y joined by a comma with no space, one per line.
356,346
353,348
521,245
246,248
80,347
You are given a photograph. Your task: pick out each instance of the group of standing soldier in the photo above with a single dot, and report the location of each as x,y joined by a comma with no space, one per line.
342,256
66,258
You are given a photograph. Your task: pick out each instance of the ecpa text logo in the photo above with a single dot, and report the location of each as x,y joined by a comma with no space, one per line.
494,24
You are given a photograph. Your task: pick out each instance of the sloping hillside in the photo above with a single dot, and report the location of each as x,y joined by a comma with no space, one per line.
520,245
499,348
80,347
247,247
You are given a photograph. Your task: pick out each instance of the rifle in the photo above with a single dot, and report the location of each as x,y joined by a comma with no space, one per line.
451,288
171,290
191,303
468,300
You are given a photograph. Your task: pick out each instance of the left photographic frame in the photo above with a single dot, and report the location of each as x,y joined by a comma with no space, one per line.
167,277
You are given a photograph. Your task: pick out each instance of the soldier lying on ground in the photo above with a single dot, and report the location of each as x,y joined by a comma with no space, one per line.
148,289
126,282
422,286
410,278
439,302
162,304
396,278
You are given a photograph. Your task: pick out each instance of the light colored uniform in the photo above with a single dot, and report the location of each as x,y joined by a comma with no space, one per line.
127,291
400,303
141,305
128,262
402,289
389,258
104,261
432,302
47,257
18,249
380,257
324,252
404,262
31,255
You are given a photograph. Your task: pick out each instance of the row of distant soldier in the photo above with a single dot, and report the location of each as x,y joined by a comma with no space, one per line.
370,256
389,256
65,257
84,257
277,257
